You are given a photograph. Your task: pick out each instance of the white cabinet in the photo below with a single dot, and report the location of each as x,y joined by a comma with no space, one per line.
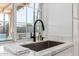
76,36
66,52
76,28
76,10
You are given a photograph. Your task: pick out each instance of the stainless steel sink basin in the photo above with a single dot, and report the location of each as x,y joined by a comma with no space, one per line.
42,45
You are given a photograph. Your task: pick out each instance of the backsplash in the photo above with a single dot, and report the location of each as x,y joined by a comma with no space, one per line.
60,38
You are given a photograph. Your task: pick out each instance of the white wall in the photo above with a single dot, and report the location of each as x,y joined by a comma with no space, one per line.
58,21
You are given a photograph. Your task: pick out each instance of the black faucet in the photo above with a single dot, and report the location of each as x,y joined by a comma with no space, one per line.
34,34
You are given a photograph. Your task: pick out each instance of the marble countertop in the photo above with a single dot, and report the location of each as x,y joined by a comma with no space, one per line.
50,51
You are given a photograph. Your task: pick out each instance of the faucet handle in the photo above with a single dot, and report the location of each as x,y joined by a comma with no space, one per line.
31,35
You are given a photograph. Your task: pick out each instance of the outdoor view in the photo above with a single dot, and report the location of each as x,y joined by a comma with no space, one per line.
25,19
3,26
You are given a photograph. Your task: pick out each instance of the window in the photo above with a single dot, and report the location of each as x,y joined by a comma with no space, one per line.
21,23
3,26
25,20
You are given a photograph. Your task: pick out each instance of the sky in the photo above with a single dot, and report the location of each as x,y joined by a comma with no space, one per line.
21,15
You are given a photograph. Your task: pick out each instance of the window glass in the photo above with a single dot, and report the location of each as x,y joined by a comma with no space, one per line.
21,23
25,20
4,19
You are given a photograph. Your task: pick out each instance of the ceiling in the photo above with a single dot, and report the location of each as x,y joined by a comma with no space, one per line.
7,7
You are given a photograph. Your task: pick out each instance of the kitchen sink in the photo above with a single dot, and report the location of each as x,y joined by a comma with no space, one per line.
41,45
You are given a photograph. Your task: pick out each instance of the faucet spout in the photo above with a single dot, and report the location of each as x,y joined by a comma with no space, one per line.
34,34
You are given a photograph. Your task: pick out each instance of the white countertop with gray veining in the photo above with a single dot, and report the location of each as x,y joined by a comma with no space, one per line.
49,51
